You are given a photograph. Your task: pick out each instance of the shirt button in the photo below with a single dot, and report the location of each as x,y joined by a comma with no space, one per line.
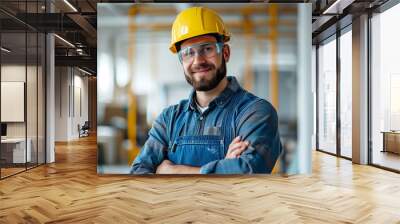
201,118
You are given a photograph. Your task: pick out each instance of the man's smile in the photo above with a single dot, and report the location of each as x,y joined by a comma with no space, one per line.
202,72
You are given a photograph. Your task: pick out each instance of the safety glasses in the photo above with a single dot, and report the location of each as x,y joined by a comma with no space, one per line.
207,50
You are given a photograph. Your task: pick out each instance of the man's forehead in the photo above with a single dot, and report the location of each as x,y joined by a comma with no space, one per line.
198,40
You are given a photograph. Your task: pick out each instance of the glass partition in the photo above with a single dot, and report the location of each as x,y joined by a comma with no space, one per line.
22,77
14,152
41,109
31,97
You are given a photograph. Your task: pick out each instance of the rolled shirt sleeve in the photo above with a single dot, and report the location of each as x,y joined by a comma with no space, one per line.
152,153
258,124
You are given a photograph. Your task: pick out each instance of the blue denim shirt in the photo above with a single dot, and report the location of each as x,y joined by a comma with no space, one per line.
187,137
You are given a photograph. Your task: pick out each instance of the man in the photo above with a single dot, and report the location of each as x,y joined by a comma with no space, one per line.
221,128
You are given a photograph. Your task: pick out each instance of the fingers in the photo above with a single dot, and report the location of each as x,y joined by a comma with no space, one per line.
236,148
236,145
235,140
238,151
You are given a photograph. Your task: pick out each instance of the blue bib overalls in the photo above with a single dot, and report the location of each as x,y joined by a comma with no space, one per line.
185,136
204,144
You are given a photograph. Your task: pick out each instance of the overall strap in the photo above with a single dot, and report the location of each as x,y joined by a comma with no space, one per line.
176,125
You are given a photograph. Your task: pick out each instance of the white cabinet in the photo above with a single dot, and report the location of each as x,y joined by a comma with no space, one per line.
17,145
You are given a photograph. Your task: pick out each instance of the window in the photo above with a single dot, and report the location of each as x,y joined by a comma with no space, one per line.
327,96
346,93
385,89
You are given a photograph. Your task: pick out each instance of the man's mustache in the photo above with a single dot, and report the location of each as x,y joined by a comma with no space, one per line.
201,67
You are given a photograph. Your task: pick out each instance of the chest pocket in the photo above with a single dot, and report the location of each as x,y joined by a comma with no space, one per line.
196,150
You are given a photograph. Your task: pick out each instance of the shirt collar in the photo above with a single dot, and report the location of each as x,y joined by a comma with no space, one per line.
232,87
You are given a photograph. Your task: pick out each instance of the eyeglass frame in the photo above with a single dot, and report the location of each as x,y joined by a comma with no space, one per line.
219,46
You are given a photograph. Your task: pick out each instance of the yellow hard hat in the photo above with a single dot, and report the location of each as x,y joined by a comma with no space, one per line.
196,21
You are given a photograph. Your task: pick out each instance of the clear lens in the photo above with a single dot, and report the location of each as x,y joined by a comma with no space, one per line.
207,50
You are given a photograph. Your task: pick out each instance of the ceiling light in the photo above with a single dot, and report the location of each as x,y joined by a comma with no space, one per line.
337,7
70,5
79,51
84,71
65,41
5,50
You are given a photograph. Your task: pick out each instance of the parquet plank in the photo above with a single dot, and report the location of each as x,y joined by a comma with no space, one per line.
70,191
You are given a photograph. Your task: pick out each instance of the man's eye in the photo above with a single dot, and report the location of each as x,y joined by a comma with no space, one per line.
208,49
186,53
192,53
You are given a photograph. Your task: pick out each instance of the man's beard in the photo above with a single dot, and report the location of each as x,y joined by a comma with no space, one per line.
206,85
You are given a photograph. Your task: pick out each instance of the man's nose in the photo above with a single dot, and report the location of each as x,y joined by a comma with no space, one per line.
198,58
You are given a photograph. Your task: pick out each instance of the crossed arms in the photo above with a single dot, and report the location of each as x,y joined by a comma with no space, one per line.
235,150
254,150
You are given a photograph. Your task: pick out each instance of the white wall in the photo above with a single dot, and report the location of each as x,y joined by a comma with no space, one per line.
12,73
79,117
33,126
69,85
61,103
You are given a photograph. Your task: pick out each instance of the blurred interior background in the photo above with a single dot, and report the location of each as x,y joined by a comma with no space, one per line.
138,76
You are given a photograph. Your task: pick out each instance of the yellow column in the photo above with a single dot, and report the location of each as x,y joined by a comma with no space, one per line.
274,74
132,110
273,39
248,28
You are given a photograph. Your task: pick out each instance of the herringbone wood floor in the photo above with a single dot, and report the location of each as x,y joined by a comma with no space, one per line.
70,191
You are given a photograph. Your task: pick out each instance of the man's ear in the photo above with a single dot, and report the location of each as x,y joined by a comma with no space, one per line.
226,52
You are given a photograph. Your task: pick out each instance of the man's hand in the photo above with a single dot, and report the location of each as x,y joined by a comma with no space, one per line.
165,167
168,167
236,148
